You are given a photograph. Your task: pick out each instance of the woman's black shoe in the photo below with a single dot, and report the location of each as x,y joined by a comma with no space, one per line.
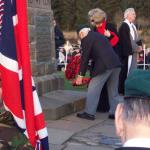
111,116
85,115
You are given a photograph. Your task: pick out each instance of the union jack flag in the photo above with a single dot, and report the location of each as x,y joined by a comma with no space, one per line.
19,93
1,13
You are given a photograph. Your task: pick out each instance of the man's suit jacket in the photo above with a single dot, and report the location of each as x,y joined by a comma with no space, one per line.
125,44
132,148
97,48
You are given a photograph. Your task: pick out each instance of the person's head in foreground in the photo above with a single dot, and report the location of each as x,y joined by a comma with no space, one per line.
132,118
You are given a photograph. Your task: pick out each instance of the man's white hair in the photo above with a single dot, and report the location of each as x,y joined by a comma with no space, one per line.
128,11
85,30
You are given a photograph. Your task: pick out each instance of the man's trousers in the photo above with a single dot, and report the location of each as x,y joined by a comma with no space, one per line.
95,87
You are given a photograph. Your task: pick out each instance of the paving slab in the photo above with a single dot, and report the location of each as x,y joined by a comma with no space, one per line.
68,125
72,123
73,118
68,132
87,137
58,137
56,147
73,133
100,134
75,146
114,142
104,129
103,116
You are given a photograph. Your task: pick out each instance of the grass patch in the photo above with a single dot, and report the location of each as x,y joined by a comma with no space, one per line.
68,83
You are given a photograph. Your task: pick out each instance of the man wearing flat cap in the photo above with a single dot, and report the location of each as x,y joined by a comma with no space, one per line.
132,117
105,67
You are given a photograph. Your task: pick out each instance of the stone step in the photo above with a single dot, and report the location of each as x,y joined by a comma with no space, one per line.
48,83
57,104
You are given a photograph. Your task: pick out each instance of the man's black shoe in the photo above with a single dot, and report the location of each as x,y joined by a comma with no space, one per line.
111,116
85,115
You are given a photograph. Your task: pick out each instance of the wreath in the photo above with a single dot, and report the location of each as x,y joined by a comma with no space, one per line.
72,70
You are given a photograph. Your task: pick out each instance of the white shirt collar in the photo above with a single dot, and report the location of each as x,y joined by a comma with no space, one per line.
131,26
127,21
138,142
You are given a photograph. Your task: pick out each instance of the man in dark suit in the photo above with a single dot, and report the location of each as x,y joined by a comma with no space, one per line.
132,117
129,46
105,67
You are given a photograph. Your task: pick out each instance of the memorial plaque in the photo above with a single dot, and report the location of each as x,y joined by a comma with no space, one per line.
45,4
42,26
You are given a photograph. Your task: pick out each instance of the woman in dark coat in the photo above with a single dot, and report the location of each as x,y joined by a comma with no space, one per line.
59,38
97,18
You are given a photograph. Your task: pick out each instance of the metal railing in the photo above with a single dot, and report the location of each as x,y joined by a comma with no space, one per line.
145,65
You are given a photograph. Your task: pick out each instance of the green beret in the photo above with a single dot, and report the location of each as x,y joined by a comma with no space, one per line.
137,84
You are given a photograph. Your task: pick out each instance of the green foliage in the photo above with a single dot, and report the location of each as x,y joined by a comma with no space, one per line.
145,32
142,7
71,13
20,142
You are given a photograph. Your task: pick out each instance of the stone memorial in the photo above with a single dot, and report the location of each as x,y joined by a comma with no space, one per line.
42,49
56,102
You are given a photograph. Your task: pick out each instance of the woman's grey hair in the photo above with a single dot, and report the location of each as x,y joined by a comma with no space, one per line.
97,15
136,110
128,11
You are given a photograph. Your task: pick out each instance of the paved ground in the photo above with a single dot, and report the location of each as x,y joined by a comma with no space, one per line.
72,133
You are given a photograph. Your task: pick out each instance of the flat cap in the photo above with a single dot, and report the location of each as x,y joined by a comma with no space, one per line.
80,27
137,84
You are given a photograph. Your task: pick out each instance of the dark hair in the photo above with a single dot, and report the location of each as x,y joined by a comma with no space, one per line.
80,27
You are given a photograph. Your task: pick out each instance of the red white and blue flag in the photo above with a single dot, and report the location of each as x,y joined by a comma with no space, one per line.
19,93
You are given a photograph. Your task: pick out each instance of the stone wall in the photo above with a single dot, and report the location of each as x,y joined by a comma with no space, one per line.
42,50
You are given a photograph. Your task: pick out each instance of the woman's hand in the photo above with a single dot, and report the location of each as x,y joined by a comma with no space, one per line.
107,33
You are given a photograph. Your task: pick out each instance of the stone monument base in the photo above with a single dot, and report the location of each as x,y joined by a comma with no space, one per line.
47,83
